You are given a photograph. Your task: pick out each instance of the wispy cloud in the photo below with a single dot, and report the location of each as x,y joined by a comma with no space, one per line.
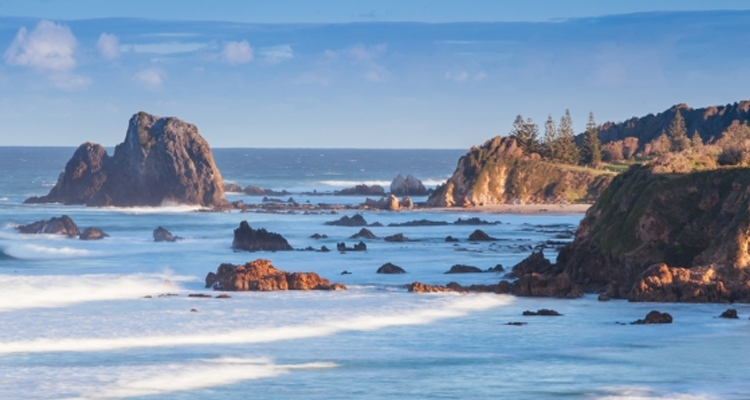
165,47
150,78
48,49
277,54
236,53
108,46
365,55
463,76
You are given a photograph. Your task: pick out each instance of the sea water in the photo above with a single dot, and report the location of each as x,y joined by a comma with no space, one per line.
76,323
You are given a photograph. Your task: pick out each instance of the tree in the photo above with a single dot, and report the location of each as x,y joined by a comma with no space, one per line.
661,145
531,132
568,150
696,141
678,133
591,153
519,132
550,140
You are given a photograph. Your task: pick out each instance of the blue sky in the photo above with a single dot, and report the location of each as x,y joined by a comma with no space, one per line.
425,74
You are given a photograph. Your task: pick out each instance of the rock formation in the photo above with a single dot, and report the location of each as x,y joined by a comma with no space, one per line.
363,233
249,239
92,234
654,317
361,246
362,190
161,234
399,237
498,173
389,268
55,226
542,312
410,186
664,236
479,236
355,220
162,161
232,188
463,269
260,275
503,287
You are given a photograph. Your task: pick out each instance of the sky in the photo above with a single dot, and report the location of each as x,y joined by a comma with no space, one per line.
366,74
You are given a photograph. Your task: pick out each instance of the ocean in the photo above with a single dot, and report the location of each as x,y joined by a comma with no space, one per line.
76,323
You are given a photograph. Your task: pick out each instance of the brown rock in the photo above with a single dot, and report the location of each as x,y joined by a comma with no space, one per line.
361,246
163,235
389,268
479,236
538,285
654,317
56,226
362,190
363,233
92,234
603,297
232,188
249,239
260,275
661,283
730,313
399,237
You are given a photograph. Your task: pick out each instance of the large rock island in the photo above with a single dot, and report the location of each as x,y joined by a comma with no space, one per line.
498,172
657,234
162,161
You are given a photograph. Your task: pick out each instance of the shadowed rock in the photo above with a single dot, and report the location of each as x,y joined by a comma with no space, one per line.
249,239
260,275
362,190
503,287
161,161
364,233
55,226
361,246
232,188
389,268
730,313
479,236
542,312
399,237
92,234
163,235
463,269
355,220
654,317
410,185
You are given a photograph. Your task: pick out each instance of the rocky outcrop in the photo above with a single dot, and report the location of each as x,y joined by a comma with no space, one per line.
479,236
92,234
654,317
249,239
499,173
363,233
232,188
662,283
389,268
399,237
63,225
362,190
161,234
463,269
251,190
409,186
544,312
162,161
354,220
503,287
361,246
260,275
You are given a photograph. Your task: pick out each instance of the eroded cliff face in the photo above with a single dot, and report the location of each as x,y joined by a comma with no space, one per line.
161,161
693,228
498,173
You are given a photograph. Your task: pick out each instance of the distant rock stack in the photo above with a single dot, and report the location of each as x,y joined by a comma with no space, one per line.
410,186
162,161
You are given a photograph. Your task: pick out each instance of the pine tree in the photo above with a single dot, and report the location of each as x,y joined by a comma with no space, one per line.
550,141
569,152
519,132
696,141
531,132
591,153
661,145
678,133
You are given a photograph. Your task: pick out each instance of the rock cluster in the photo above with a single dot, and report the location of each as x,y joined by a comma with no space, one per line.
162,161
503,287
260,275
63,225
361,246
249,239
654,317
354,220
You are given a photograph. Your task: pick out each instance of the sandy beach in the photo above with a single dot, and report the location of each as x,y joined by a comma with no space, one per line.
521,208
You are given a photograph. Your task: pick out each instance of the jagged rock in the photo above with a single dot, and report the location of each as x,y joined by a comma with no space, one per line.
162,235
389,268
463,269
324,249
538,285
232,188
363,233
318,236
496,268
536,262
55,226
161,161
389,202
664,284
354,220
730,313
543,312
399,237
362,190
251,190
407,203
249,239
92,234
498,172
260,275
503,287
474,221
345,273
450,239
654,317
421,222
479,236
409,186
361,246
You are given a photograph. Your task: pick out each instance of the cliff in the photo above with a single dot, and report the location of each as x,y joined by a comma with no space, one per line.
497,173
161,161
665,236
710,122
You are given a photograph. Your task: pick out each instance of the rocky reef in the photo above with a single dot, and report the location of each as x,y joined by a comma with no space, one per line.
162,161
249,239
662,236
499,173
260,275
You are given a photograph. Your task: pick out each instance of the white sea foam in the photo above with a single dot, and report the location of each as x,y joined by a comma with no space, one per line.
647,393
449,307
23,292
162,379
165,209
3,199
30,251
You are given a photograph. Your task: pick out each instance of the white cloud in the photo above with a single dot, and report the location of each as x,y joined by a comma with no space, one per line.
277,54
151,78
48,47
108,46
236,53
364,55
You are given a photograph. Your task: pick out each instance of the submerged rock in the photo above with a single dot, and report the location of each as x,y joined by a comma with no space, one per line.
249,239
260,275
463,269
362,190
399,237
389,268
421,222
542,312
63,225
503,287
92,234
654,317
361,246
161,161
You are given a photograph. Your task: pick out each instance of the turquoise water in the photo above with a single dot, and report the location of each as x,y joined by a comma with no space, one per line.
76,323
